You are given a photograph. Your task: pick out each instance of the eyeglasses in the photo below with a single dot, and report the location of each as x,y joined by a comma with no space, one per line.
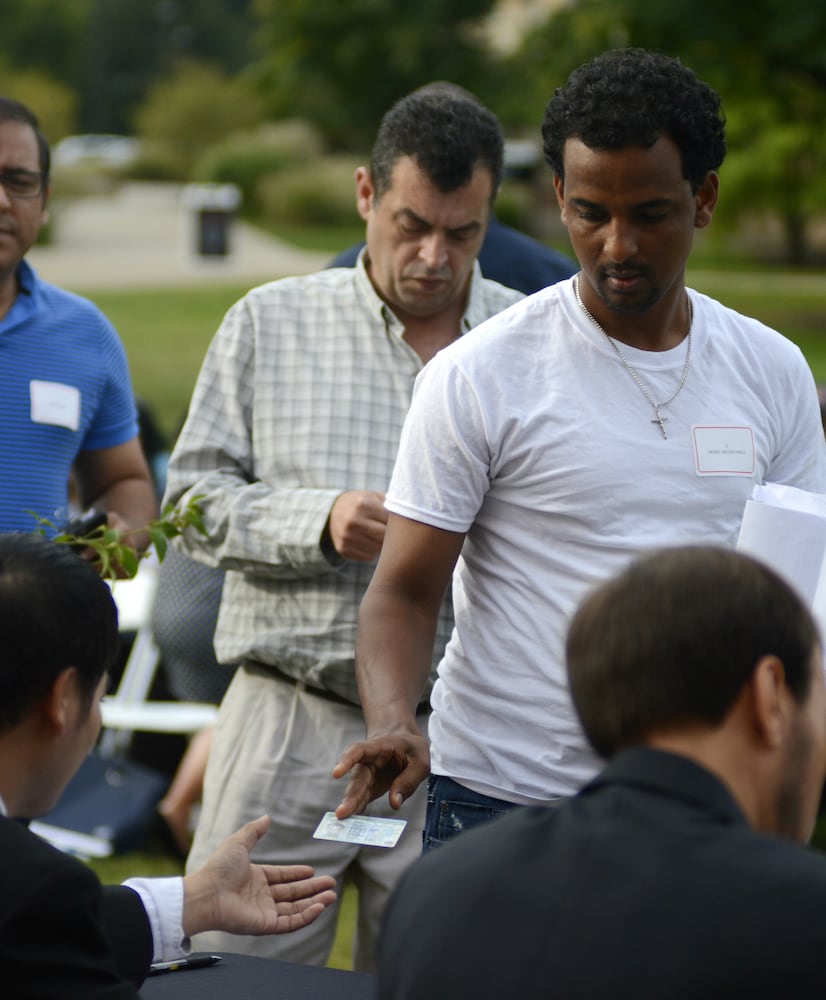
22,183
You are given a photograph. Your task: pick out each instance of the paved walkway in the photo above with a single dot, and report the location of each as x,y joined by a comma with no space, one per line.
141,236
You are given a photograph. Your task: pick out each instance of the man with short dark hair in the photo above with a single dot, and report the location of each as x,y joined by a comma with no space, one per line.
698,673
609,414
61,933
289,444
66,403
508,256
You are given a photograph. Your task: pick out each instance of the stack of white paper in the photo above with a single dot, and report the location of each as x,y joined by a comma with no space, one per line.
786,528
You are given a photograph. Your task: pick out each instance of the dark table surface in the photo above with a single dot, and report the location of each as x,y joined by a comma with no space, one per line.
245,977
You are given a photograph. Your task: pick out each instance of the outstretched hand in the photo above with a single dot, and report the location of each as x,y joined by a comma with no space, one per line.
396,763
230,893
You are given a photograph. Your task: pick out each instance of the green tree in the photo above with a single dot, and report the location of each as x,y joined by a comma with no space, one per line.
196,107
45,36
109,51
53,102
342,64
130,44
768,62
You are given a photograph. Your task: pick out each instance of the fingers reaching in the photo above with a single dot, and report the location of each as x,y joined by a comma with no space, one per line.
298,901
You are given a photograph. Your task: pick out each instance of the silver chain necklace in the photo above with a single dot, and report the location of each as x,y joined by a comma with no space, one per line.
659,419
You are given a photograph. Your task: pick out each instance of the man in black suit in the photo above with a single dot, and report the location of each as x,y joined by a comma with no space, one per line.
61,933
697,673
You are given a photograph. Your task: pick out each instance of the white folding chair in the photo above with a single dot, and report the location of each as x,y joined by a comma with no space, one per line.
129,709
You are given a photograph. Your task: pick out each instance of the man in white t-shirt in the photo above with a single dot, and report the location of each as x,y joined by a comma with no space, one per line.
612,413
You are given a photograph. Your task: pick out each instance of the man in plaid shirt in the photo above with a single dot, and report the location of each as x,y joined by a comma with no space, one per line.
289,444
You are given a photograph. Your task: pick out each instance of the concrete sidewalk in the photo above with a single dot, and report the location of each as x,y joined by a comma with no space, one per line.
141,236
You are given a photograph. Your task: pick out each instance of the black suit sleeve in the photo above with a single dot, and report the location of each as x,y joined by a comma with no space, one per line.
52,937
127,928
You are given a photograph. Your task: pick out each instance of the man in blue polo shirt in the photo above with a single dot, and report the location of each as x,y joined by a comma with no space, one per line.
66,403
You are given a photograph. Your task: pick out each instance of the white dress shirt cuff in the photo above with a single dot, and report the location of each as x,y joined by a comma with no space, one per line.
163,900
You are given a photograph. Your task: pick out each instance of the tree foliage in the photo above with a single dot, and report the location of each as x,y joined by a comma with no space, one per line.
45,36
340,64
194,108
53,102
768,62
109,51
113,550
343,64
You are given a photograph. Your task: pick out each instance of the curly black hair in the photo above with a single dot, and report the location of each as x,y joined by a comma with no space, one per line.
446,132
631,97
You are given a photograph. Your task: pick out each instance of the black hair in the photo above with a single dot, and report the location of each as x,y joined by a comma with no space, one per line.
14,111
674,639
55,612
447,133
632,97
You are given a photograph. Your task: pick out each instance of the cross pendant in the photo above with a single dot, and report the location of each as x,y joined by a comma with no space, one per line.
659,419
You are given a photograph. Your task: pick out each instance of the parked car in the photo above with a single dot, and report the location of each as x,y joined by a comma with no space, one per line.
103,149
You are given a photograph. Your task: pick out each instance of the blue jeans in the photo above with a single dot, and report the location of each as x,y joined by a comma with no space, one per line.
452,809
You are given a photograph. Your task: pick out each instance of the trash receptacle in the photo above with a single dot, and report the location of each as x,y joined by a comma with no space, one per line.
212,208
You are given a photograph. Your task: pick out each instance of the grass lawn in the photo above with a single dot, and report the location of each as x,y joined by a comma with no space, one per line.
793,303
166,332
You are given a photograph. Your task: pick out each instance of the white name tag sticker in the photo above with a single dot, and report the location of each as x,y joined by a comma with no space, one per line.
55,403
371,831
723,451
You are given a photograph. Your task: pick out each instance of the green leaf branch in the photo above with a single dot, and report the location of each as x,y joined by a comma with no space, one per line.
117,558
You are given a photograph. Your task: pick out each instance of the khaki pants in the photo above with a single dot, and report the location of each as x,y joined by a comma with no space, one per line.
272,751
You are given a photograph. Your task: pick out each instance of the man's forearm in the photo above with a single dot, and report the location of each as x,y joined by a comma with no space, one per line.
253,528
132,499
131,505
398,619
394,654
117,480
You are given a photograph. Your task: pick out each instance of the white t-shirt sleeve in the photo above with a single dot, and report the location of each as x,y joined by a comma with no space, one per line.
801,458
442,470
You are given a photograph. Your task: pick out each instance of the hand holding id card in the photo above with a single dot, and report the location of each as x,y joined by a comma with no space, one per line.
371,831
